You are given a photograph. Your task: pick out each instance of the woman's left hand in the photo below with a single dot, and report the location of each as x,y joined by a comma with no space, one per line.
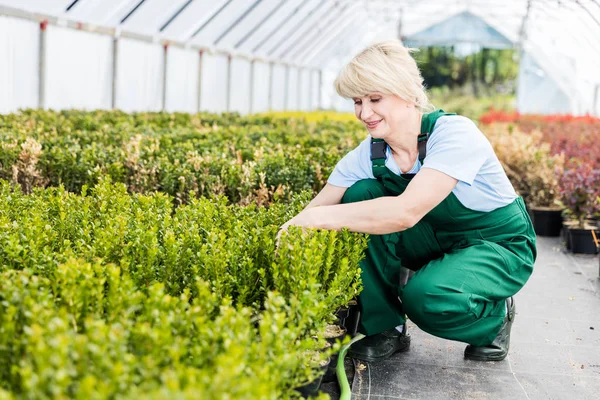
303,219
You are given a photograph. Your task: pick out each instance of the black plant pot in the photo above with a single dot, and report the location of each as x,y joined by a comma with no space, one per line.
582,241
351,321
333,338
564,233
330,374
341,315
312,388
546,222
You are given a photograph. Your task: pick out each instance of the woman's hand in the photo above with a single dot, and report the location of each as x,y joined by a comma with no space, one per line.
303,219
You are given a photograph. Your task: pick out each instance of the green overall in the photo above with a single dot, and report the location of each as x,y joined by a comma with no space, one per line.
467,262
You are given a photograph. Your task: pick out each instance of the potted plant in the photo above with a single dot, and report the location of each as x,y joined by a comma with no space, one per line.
310,389
542,178
580,189
534,172
334,335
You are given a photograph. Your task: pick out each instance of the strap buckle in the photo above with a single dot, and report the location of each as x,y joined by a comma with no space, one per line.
378,149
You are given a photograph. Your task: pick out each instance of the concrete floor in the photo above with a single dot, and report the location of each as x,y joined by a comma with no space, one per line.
554,354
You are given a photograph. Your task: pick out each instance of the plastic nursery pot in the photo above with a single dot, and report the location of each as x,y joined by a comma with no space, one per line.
546,221
333,333
341,314
582,240
330,374
312,388
565,232
351,322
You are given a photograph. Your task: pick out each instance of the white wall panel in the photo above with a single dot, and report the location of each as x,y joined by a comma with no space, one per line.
260,80
214,83
78,69
19,43
305,83
182,80
139,76
240,86
292,92
278,88
314,79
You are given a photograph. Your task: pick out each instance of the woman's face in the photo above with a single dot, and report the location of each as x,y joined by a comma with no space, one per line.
384,114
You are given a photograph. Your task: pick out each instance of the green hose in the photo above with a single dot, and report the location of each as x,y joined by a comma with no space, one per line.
346,392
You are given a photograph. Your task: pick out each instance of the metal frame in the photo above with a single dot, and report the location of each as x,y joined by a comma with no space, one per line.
117,33
210,19
303,46
310,54
258,25
42,65
237,21
130,13
296,27
279,26
115,66
170,20
305,36
342,21
164,75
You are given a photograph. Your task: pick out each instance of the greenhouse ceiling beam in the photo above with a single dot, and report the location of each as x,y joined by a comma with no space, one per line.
576,38
317,31
310,53
117,32
72,5
361,43
314,26
324,35
592,16
237,21
523,28
211,18
279,26
170,20
300,23
132,11
261,23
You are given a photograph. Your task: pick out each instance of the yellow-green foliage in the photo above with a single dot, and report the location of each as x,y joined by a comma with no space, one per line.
468,105
255,159
108,295
313,116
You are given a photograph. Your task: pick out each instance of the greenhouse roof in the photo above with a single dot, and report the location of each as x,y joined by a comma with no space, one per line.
303,31
558,39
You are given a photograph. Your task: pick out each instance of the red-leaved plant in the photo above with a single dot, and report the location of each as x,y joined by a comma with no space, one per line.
579,189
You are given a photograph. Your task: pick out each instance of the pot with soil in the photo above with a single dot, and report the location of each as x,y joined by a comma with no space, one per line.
333,334
351,321
330,374
582,239
312,388
564,233
547,221
341,314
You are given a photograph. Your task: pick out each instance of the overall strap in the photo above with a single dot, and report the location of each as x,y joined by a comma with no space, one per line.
378,150
427,124
379,146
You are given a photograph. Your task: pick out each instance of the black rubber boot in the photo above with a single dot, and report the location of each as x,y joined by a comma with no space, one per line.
498,349
381,346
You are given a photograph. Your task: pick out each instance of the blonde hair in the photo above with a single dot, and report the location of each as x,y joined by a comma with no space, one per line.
385,67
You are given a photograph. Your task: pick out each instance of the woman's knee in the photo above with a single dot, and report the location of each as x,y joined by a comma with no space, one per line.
365,189
431,305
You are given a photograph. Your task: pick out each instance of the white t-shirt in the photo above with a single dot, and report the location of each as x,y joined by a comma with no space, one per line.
457,148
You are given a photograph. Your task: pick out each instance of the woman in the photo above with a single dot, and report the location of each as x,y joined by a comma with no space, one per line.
434,198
